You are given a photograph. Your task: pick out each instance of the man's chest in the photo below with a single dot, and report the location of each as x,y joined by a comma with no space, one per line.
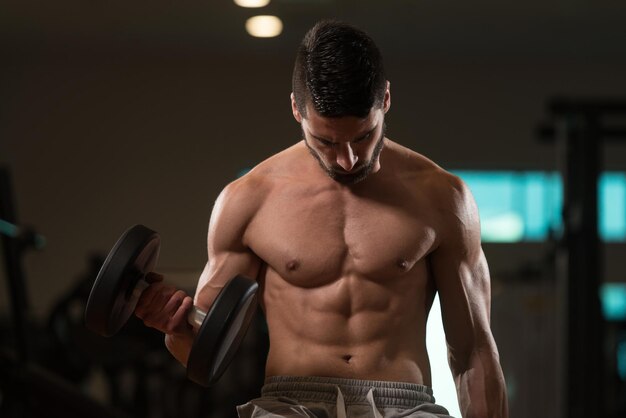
316,239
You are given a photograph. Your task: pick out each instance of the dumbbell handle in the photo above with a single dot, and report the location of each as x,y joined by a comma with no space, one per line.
195,317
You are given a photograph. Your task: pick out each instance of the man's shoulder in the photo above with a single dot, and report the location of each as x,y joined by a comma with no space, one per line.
445,191
446,197
424,170
279,164
258,182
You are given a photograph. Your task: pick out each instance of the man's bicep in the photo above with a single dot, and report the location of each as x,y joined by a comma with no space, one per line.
220,269
228,254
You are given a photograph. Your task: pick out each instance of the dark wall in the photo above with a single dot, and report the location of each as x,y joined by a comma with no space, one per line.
99,142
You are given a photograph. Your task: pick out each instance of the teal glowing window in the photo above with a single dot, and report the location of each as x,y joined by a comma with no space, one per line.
613,298
621,359
526,206
612,201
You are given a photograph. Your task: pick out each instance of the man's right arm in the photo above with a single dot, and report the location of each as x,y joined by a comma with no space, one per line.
228,254
462,278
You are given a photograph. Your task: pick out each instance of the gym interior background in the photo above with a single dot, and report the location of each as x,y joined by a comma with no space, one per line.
116,113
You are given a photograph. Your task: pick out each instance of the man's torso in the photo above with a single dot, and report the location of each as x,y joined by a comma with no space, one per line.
346,286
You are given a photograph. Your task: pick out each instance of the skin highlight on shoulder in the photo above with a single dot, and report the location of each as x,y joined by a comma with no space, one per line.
414,169
291,163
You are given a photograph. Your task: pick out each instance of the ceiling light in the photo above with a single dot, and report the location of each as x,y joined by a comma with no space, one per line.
252,3
264,26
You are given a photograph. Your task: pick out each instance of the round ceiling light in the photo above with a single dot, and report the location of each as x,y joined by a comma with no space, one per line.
264,26
252,3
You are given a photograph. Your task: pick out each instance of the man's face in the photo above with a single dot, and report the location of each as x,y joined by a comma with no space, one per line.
347,148
360,156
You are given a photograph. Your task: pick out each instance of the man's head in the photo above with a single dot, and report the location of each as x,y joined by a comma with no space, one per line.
339,70
340,96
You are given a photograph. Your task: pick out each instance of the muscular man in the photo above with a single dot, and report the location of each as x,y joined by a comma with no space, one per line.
349,235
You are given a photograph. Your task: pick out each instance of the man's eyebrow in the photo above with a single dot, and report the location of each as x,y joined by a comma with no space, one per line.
356,139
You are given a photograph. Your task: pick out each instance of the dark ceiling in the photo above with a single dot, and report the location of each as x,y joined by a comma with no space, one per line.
569,28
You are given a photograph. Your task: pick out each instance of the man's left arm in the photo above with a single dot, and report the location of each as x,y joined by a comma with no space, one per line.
461,275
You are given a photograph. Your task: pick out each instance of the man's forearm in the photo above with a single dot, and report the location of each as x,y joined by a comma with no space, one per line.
481,388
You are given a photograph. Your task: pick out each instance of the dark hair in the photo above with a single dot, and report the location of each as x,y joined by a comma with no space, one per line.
339,69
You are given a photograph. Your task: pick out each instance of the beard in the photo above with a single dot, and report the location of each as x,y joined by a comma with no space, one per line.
359,173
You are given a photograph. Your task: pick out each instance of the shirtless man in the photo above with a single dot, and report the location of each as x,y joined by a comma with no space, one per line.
349,235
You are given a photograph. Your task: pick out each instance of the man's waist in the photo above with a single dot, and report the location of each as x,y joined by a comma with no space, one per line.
354,391
364,363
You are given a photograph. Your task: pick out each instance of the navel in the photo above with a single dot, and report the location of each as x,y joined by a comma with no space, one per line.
347,358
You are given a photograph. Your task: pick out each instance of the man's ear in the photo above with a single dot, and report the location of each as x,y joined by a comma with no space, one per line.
387,99
294,109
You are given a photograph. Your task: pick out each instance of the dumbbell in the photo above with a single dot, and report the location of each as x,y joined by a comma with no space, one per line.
121,281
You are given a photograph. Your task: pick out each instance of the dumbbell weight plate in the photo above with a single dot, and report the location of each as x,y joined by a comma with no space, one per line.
222,331
113,298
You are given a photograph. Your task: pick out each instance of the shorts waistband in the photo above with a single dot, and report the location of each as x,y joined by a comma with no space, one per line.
324,389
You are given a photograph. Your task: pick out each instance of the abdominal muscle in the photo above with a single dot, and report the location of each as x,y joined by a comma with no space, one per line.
351,328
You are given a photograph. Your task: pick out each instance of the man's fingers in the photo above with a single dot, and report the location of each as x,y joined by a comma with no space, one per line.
164,308
153,299
146,298
165,319
180,316
174,303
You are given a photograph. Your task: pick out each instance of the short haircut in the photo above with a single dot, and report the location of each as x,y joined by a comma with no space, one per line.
339,70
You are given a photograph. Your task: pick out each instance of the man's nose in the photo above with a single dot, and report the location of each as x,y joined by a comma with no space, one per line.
346,157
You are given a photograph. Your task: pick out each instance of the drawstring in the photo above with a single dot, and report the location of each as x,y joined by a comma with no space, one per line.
370,398
341,404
